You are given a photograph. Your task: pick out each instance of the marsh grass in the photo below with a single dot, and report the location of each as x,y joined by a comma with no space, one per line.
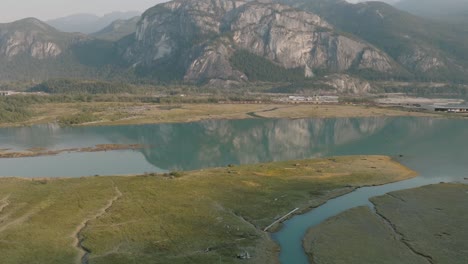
205,216
129,113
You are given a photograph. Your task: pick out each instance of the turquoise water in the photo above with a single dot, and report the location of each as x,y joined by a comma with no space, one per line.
438,143
179,146
436,148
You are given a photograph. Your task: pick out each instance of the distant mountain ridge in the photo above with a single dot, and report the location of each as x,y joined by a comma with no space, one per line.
32,50
447,10
239,41
118,29
89,23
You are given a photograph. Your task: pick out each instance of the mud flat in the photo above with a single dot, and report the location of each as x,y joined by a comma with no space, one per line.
424,225
37,152
110,114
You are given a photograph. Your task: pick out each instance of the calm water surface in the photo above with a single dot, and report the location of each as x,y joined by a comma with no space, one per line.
436,148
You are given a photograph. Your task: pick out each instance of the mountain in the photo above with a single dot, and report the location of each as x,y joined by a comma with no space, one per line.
118,29
33,37
447,10
428,50
222,40
89,23
32,50
308,43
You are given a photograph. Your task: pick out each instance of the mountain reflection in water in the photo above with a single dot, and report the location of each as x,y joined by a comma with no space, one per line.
221,142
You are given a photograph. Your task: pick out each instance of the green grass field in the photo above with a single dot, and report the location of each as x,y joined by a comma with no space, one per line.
205,216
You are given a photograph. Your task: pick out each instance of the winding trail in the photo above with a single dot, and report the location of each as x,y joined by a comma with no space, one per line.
256,115
84,252
19,220
6,222
4,203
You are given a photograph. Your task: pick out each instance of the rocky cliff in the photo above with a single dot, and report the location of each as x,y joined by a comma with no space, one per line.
31,50
294,38
37,41
425,49
202,35
118,29
237,41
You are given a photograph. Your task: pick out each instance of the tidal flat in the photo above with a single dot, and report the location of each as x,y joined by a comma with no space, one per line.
205,216
126,113
424,225
38,152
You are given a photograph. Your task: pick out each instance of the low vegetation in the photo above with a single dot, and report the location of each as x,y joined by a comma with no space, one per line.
423,225
205,216
455,91
258,68
84,110
68,86
13,110
331,111
78,118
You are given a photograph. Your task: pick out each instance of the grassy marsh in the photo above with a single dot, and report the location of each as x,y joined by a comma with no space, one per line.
423,225
204,216
123,113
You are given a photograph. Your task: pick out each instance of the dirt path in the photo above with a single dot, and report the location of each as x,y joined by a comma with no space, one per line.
256,115
4,203
20,219
84,252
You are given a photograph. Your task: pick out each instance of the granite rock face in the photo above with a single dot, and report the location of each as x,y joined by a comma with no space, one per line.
213,63
343,83
423,60
202,35
232,42
294,38
34,42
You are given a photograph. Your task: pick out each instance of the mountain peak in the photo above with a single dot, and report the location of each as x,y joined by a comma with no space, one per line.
89,23
29,24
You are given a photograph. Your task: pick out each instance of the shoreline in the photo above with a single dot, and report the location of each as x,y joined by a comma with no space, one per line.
40,152
390,219
277,227
149,114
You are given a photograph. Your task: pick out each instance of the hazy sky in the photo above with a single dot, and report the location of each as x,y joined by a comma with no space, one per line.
11,10
387,1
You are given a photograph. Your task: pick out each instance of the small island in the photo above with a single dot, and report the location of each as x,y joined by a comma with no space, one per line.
37,152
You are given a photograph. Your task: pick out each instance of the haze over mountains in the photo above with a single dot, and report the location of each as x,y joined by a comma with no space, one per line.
89,23
118,29
449,10
236,41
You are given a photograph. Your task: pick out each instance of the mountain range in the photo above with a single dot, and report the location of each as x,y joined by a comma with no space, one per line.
446,10
238,41
89,23
118,29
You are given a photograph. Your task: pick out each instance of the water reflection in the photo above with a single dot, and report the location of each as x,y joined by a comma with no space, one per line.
218,143
435,148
